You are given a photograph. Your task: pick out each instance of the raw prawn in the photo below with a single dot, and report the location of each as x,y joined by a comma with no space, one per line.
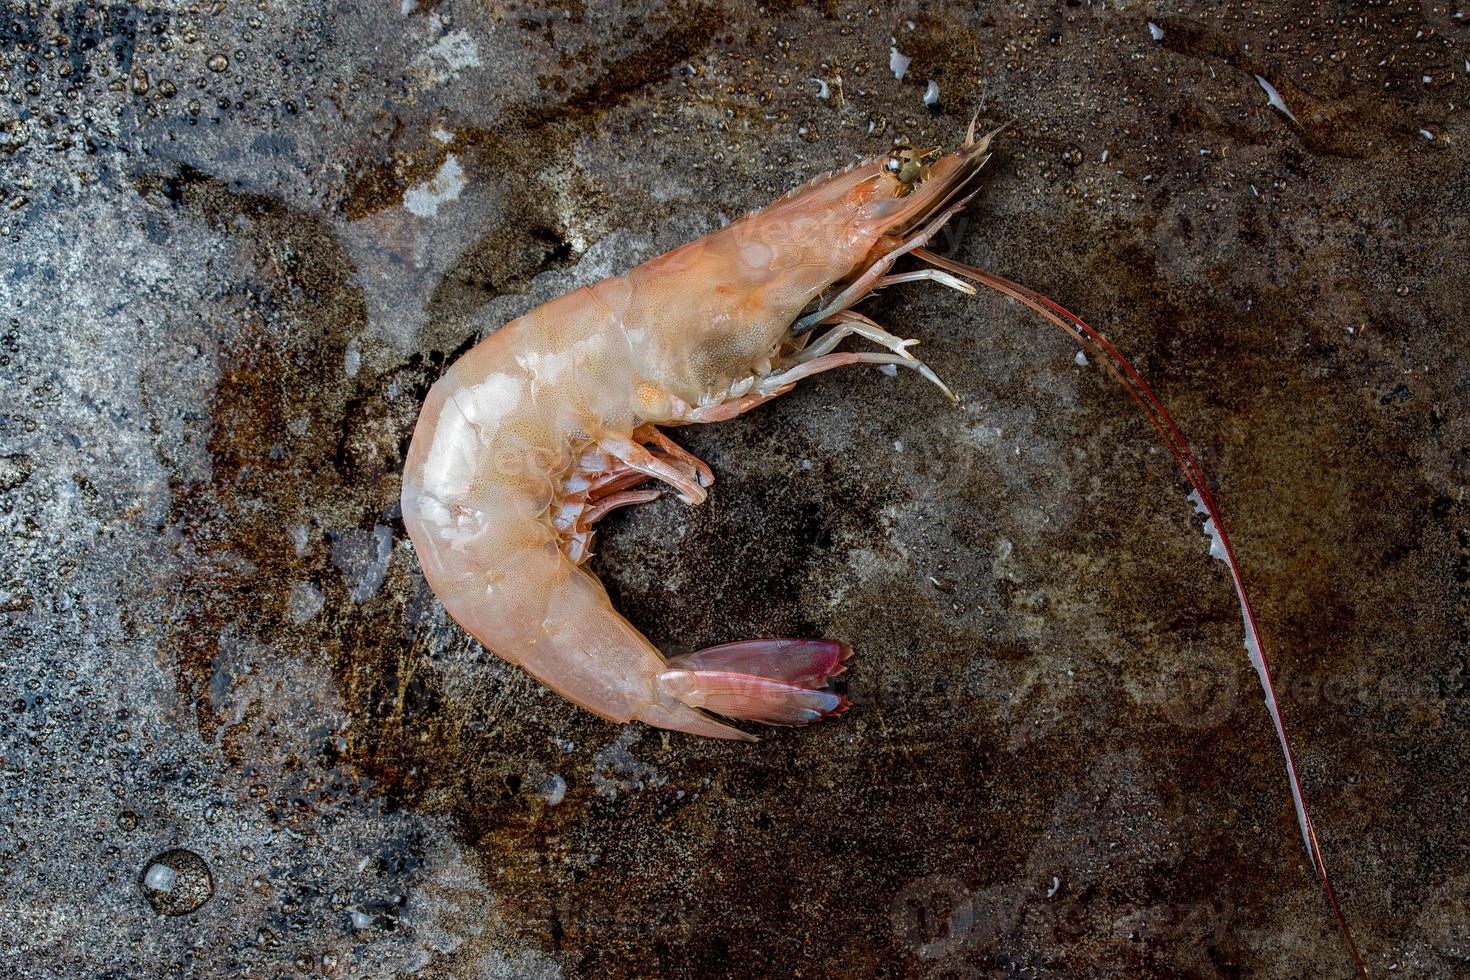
553,421
550,422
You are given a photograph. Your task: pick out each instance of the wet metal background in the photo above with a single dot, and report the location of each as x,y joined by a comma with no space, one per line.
241,738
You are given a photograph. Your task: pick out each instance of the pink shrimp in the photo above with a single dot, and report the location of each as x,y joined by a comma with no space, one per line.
552,421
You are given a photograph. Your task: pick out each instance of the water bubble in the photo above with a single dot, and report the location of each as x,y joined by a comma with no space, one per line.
552,789
218,63
177,882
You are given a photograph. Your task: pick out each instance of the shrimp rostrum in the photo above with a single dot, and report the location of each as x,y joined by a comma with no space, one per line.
553,420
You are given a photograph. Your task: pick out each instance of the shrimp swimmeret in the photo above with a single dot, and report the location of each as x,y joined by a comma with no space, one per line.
552,421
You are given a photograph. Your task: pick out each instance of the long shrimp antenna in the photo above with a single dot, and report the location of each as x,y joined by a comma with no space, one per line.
1154,408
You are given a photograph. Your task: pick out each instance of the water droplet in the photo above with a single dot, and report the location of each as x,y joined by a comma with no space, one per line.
218,63
177,882
553,789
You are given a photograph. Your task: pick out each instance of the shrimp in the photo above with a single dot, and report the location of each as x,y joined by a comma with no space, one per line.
553,421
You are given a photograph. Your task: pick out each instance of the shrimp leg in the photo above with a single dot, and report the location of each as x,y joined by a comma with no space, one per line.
929,275
608,490
675,453
829,361
818,358
851,322
612,502
622,477
578,545
733,407
637,457
613,481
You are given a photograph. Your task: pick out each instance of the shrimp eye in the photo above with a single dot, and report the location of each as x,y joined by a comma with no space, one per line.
905,166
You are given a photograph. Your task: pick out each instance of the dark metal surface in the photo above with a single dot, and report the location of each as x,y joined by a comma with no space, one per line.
240,242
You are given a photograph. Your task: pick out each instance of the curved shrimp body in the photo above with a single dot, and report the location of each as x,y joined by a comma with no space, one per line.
550,422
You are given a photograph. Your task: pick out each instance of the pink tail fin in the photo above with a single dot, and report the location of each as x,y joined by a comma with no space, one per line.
805,663
749,697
